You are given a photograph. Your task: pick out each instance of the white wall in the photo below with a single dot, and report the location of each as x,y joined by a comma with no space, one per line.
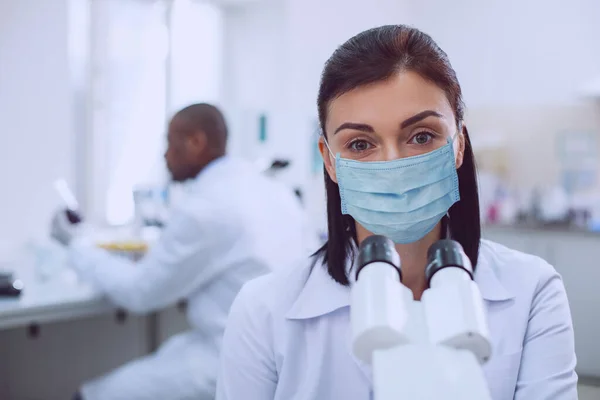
253,62
315,28
513,52
197,46
506,52
36,136
521,65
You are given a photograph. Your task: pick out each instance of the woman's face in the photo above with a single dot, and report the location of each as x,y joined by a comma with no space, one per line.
402,117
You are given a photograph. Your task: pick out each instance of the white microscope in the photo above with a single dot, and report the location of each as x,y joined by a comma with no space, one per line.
428,349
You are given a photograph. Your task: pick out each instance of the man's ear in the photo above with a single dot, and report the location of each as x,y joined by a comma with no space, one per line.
460,146
198,142
327,159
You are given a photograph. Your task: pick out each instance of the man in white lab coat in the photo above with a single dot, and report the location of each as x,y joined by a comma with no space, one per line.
234,225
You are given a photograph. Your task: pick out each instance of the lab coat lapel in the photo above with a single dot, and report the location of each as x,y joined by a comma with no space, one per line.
487,280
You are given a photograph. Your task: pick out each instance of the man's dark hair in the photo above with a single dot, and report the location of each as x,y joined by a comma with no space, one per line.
208,119
376,55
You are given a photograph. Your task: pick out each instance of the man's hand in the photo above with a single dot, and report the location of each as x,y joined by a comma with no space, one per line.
64,226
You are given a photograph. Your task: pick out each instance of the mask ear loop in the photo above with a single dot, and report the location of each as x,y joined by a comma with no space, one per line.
327,145
459,131
452,139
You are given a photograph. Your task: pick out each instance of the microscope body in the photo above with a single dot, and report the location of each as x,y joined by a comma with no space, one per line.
428,349
422,369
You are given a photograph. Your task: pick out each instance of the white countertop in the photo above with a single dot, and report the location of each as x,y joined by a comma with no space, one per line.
60,298
51,291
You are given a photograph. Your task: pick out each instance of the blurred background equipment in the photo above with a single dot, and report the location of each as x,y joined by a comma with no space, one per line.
69,199
9,286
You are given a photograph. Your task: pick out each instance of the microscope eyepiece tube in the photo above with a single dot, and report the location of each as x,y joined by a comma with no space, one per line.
454,308
446,253
378,309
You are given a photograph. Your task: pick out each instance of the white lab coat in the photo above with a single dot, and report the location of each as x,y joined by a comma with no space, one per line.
288,335
234,224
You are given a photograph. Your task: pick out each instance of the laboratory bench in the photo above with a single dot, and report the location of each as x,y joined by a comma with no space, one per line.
61,332
543,228
575,254
58,300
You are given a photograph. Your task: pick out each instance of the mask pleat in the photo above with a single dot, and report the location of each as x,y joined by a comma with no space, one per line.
402,199
393,177
408,201
398,218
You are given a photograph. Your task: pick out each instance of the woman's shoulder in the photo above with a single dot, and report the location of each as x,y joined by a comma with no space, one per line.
275,293
508,262
521,275
533,302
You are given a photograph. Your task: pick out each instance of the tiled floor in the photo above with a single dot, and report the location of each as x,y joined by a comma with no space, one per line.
589,392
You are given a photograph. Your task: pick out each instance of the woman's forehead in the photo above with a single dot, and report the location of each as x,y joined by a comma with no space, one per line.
400,97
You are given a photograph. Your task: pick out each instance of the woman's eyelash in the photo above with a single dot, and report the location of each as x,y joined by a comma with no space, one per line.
424,132
350,145
353,141
429,134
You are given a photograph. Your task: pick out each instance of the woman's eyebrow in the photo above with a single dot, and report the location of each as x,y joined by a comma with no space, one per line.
419,117
356,127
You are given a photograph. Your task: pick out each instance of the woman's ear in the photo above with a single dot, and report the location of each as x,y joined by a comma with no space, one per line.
460,146
327,159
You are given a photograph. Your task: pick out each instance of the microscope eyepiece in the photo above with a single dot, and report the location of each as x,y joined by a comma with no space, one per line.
446,253
377,248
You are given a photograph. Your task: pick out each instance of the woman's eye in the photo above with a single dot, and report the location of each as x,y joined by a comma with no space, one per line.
422,138
359,145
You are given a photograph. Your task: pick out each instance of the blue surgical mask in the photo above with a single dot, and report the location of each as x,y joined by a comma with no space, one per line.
402,199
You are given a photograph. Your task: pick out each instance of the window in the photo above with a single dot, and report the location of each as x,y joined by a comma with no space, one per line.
149,58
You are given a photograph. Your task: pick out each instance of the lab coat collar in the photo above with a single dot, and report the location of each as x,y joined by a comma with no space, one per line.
486,277
322,295
214,165
214,171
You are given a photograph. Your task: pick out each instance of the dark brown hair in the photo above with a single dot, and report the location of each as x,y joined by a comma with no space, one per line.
372,56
